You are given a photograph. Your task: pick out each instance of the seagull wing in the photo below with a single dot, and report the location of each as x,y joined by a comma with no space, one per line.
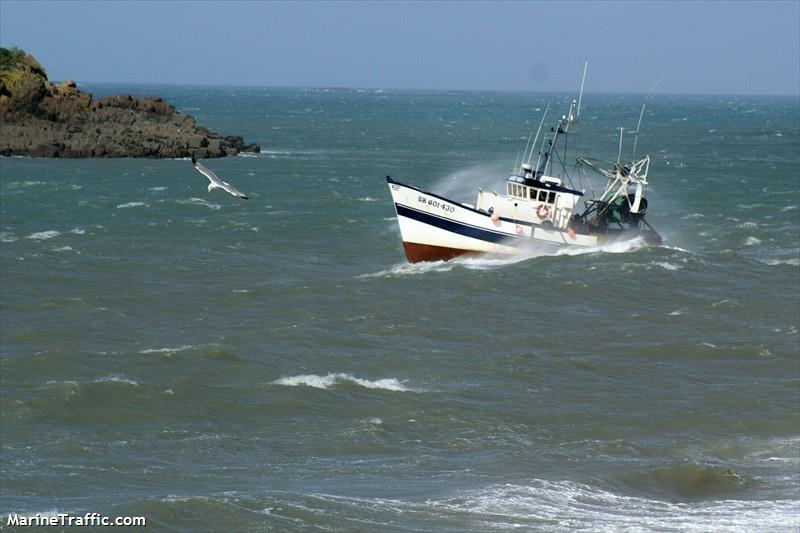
218,183
207,173
233,190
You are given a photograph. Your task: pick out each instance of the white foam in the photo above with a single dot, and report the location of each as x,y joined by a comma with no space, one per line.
44,235
77,231
200,201
116,379
410,269
63,249
15,184
666,266
329,380
6,236
564,506
752,241
158,189
795,261
166,350
367,199
567,506
132,204
488,261
68,382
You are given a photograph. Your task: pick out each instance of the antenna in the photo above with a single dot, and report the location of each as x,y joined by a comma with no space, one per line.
580,95
526,149
641,116
546,109
636,133
619,154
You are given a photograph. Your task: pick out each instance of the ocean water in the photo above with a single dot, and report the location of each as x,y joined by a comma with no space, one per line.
276,365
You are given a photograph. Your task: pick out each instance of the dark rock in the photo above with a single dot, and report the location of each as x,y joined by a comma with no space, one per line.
43,119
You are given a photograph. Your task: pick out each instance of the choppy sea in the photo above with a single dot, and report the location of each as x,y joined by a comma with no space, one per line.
276,365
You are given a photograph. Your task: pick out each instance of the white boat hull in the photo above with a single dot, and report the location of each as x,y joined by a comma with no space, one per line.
434,228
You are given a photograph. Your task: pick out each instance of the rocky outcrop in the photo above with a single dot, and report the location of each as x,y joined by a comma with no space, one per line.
44,119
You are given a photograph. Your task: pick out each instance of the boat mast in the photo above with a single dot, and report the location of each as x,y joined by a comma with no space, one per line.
562,127
580,96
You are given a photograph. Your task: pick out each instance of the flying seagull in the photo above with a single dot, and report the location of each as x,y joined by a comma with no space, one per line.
217,183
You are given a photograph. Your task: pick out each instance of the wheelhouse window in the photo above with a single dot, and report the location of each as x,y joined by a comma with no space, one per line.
552,198
542,196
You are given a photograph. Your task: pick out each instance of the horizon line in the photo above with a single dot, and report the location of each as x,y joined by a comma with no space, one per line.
414,89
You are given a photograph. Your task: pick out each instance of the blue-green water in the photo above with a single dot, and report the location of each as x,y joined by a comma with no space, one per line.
276,365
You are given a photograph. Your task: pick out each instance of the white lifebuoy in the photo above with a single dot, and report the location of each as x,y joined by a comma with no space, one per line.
543,211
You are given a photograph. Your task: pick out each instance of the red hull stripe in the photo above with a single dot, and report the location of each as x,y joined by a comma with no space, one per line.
416,252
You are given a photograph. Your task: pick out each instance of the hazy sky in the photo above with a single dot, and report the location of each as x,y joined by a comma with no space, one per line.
698,47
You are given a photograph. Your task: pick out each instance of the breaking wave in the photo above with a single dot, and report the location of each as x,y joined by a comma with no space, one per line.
43,235
330,380
488,261
200,201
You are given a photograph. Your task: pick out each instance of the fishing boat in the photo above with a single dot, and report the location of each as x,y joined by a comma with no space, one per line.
536,210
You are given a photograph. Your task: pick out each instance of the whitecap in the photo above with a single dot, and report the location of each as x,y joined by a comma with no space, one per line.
43,235
169,351
329,380
6,236
132,204
200,201
567,506
116,379
676,313
158,189
666,266
29,183
795,261
752,241
367,199
63,249
410,269
77,231
726,303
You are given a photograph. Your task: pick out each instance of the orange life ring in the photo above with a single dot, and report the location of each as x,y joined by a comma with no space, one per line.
542,211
